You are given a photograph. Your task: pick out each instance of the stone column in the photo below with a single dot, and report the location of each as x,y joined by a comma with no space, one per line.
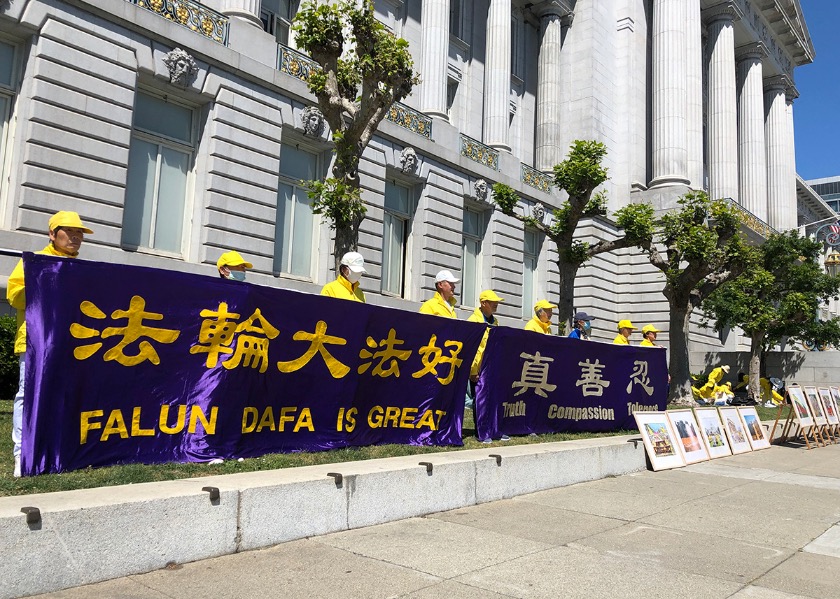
723,119
776,135
435,23
694,95
669,93
791,220
497,75
245,10
752,156
553,19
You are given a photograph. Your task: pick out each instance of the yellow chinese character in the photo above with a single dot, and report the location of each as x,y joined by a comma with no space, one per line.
134,330
216,334
317,340
433,355
252,350
387,354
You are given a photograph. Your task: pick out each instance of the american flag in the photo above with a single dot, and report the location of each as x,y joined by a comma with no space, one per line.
835,228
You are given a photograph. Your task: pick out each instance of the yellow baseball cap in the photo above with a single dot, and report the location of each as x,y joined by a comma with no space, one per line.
649,328
544,305
625,324
232,259
490,296
65,218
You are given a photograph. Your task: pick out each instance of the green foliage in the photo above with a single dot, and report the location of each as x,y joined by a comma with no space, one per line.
581,172
637,221
339,202
779,295
364,70
9,368
505,198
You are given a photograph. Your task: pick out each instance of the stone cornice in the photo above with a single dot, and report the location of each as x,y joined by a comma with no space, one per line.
725,11
778,83
755,50
556,8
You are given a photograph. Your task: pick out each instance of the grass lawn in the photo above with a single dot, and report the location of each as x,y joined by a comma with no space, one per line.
140,473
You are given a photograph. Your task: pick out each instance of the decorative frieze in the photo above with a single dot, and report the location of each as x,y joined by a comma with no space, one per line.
192,15
182,67
477,151
410,119
750,220
534,178
294,63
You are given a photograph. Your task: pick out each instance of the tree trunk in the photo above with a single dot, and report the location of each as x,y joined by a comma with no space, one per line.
345,168
679,369
756,344
566,300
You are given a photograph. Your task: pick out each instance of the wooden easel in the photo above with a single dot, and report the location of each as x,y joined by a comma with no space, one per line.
791,428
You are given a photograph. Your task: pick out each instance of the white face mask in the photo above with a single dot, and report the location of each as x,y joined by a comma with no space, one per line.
353,277
236,275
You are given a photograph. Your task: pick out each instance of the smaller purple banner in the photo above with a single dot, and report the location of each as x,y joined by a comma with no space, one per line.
533,383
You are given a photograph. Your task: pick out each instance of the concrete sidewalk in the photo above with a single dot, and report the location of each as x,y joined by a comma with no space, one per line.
758,525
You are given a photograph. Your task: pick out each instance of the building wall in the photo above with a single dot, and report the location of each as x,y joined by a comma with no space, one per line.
82,64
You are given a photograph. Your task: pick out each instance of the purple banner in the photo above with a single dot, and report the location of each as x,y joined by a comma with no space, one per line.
532,383
128,364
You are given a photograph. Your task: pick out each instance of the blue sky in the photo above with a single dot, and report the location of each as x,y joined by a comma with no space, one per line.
816,114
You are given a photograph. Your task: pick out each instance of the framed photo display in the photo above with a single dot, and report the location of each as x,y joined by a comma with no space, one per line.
711,430
755,432
835,395
799,405
828,406
816,406
689,440
733,425
660,440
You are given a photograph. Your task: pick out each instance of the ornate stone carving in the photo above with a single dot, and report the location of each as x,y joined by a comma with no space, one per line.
481,190
312,121
408,161
182,67
538,212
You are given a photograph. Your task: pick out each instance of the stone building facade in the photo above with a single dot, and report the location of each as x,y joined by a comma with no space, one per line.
180,130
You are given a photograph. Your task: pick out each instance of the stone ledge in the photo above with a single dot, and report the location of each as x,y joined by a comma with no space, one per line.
91,535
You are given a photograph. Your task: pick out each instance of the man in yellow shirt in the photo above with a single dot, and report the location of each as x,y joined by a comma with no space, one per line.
443,302
66,236
625,329
488,304
541,321
232,266
346,284
649,336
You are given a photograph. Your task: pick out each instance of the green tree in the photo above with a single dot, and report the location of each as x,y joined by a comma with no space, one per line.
778,296
364,70
702,248
578,175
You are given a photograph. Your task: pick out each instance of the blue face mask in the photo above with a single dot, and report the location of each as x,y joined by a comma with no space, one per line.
587,326
236,275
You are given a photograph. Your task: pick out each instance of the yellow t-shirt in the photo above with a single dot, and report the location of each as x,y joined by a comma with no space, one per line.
478,316
16,296
621,340
437,306
538,326
344,289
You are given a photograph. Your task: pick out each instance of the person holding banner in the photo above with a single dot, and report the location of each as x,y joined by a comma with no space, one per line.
625,329
488,304
232,266
541,321
443,302
346,284
66,233
582,326
649,336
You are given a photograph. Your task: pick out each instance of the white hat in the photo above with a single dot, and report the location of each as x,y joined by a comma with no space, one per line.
354,261
445,275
